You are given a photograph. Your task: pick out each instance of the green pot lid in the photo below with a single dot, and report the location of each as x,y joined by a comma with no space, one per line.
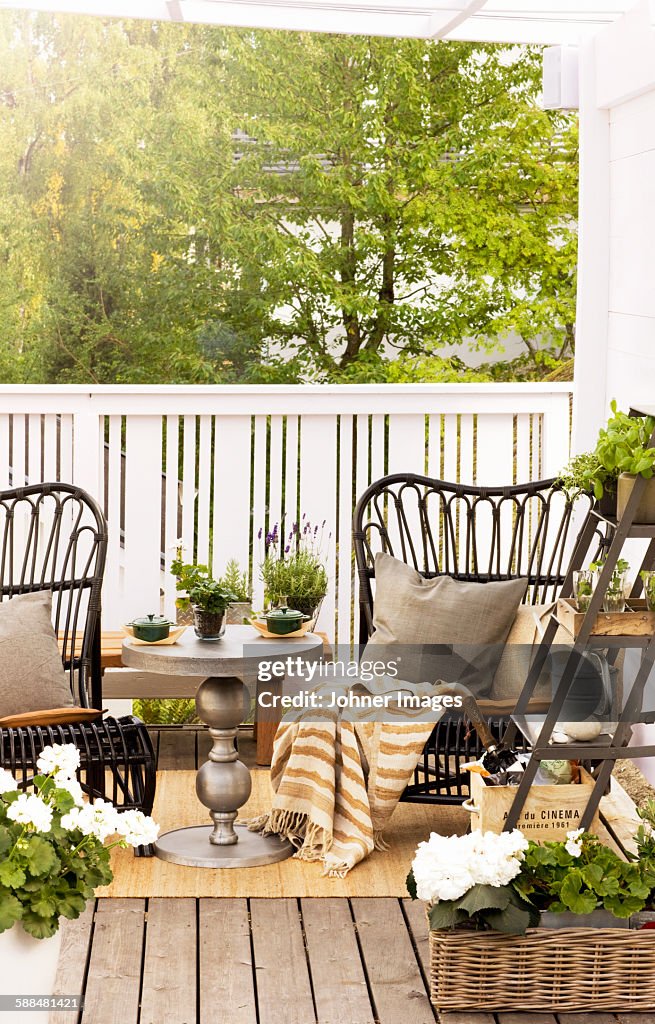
284,613
152,620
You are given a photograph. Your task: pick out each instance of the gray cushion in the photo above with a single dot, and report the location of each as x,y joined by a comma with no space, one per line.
32,677
442,628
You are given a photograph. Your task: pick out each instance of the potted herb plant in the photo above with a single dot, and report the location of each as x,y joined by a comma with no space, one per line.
585,473
234,579
293,570
53,856
648,580
209,598
614,596
622,448
493,900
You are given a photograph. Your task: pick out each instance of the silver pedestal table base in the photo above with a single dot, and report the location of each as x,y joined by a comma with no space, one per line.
223,782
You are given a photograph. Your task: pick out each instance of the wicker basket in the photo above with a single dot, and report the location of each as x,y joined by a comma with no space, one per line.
566,969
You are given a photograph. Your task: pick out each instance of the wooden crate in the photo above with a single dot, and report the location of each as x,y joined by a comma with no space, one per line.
636,622
549,812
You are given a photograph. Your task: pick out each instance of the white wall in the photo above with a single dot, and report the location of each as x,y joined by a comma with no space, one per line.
615,356
616,304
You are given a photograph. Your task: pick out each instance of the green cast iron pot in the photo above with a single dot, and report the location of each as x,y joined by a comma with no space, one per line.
151,627
284,620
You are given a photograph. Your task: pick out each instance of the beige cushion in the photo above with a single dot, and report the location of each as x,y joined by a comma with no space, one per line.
442,628
32,677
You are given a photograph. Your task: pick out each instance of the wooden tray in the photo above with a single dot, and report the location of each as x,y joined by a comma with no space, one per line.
172,637
636,622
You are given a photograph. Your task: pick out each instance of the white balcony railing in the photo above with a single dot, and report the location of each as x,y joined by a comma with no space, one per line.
214,464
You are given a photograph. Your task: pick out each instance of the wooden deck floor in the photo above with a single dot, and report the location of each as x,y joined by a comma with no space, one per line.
259,961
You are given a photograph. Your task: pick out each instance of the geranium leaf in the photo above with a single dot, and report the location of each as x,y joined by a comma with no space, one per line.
11,910
11,874
485,897
410,882
510,921
40,927
445,915
572,897
40,856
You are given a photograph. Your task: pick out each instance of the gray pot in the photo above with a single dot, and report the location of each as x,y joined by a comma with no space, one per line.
597,919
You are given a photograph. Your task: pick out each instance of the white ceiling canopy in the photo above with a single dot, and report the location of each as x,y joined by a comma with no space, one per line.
539,21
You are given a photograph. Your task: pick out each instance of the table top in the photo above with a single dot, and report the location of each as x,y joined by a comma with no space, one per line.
193,657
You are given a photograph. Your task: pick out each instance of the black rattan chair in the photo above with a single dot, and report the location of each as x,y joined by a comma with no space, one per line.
54,537
470,533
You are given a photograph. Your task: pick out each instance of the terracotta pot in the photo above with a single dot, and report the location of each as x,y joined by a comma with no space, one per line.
646,508
29,967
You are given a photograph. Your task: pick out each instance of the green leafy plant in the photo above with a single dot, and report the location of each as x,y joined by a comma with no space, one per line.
236,580
622,447
294,570
648,579
169,711
583,875
52,844
617,581
585,473
195,581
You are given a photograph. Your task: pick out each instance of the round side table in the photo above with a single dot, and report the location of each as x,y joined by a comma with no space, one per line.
223,783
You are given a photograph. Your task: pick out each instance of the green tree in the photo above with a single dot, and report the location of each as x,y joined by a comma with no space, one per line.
112,152
185,203
393,196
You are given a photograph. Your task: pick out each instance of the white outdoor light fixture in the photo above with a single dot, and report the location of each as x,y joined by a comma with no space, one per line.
560,78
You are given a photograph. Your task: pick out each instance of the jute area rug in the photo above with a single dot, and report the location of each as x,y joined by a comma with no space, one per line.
176,805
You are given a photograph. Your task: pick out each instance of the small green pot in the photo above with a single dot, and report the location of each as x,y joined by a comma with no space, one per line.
284,620
151,628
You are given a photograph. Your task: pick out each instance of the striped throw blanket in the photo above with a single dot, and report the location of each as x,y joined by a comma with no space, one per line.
337,780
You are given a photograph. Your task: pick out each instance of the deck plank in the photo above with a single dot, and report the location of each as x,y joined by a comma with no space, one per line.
525,1017
284,992
169,969
338,979
394,977
71,969
586,1018
177,750
114,980
225,959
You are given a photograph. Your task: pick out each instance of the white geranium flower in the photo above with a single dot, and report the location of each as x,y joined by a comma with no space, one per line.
573,845
61,760
646,825
73,787
446,867
8,783
32,811
137,828
98,819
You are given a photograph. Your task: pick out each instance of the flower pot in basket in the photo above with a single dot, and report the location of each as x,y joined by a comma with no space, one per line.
565,970
27,970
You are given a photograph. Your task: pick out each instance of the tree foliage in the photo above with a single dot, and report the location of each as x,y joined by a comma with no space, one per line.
186,203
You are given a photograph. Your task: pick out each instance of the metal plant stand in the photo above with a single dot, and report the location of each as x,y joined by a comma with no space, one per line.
606,754
223,782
